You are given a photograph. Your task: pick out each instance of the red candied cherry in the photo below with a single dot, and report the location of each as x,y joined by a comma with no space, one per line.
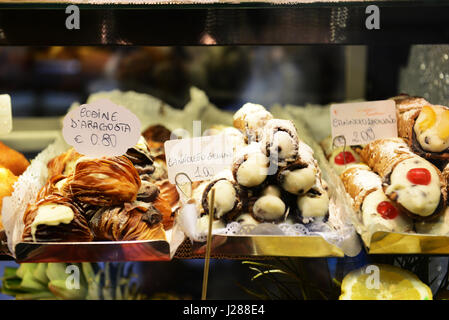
344,158
387,210
420,176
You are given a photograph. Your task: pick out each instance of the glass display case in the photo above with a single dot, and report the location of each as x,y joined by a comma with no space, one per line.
251,70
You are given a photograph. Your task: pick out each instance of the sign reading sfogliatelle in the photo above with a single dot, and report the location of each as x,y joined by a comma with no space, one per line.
360,123
101,128
199,158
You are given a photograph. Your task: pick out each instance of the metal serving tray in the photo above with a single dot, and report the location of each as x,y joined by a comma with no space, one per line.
101,251
268,245
406,243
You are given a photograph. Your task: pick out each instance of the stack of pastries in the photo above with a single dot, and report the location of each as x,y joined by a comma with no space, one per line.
118,198
274,177
12,165
401,184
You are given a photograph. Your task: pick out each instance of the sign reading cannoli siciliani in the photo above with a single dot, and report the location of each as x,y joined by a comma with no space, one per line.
101,129
200,158
360,123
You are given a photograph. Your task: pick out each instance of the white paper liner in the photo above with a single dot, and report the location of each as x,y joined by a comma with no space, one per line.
148,109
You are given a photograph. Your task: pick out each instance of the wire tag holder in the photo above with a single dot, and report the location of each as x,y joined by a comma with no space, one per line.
340,138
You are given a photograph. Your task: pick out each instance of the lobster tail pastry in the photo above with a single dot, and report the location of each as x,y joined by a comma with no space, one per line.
55,219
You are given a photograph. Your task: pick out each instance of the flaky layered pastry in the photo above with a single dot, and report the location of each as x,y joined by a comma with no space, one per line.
64,164
105,181
131,221
409,180
425,127
55,219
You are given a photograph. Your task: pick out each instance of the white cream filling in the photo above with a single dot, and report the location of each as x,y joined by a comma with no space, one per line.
246,219
224,198
253,171
269,208
439,226
429,139
272,190
51,215
299,181
286,143
418,199
202,224
374,221
313,206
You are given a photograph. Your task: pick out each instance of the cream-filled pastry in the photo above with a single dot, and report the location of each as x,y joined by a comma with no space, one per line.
246,219
342,157
432,128
227,201
269,208
250,119
438,227
313,205
298,181
415,185
380,214
280,141
202,224
252,171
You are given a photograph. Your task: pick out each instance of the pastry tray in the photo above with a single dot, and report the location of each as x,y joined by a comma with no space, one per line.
268,245
101,251
405,243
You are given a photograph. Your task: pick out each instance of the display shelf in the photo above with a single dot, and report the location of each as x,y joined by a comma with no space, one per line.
249,23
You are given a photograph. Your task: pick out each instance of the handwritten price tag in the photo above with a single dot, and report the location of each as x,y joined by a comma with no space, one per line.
200,158
362,122
101,128
5,114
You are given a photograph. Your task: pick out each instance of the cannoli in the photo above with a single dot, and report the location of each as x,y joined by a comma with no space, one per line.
104,181
251,119
246,219
269,208
130,221
425,127
415,184
251,167
342,157
280,141
55,219
314,205
377,212
227,202
438,227
202,224
233,135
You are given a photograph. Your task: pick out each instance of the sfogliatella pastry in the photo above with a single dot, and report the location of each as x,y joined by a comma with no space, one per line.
64,164
55,219
156,136
376,210
424,126
7,180
416,185
250,119
13,160
127,222
141,158
104,182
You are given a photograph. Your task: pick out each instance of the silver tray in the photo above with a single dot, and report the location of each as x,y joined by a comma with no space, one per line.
102,251
268,245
